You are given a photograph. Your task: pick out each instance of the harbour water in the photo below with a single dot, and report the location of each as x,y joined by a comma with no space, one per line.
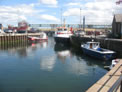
47,67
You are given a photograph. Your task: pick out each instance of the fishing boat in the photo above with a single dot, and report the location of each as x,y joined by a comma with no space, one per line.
41,37
93,49
62,35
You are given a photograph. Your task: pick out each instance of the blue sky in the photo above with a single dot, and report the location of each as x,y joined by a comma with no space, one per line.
49,11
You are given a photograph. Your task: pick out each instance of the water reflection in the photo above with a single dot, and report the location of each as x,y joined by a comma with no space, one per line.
47,63
63,52
77,62
22,50
44,44
47,67
77,67
89,60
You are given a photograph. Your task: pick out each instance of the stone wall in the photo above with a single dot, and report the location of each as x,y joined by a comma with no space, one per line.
112,44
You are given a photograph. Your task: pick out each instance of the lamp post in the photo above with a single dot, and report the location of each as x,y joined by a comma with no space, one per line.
84,23
80,19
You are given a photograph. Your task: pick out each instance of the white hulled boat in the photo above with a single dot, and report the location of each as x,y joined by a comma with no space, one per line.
62,35
41,37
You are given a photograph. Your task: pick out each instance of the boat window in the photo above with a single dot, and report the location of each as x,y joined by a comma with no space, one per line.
65,29
41,35
90,45
59,29
96,44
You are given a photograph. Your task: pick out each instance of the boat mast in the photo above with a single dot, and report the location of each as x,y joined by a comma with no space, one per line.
64,22
61,17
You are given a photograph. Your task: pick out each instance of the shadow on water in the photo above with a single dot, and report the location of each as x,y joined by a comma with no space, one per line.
89,69
89,60
63,50
21,49
61,47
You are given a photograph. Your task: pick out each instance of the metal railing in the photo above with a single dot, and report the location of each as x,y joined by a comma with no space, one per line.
116,85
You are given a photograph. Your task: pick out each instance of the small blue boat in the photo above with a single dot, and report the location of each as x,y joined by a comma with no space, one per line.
93,49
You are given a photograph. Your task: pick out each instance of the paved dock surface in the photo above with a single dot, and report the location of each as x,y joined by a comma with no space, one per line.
108,80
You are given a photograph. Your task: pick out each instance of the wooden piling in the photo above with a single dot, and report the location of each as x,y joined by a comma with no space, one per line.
15,39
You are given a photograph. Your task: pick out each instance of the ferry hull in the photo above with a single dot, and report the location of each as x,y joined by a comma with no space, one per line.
62,40
22,31
102,56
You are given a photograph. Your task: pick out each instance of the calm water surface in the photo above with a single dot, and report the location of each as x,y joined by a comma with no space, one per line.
47,67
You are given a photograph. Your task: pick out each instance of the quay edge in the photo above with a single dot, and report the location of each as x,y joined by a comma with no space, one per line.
109,82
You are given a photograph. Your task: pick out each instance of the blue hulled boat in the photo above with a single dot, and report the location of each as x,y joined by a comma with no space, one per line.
93,49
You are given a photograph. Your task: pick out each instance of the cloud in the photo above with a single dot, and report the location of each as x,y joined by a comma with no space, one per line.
72,4
99,5
49,2
49,18
105,0
72,12
96,11
13,14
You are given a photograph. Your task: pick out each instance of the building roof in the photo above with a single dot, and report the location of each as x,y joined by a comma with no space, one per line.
118,17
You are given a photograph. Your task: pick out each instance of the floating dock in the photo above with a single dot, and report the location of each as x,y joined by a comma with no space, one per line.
111,82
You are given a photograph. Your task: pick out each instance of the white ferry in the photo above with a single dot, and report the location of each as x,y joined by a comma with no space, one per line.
62,35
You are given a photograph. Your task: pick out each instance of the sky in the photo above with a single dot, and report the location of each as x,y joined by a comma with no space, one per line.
50,11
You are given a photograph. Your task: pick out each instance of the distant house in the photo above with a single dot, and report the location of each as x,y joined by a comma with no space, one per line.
117,26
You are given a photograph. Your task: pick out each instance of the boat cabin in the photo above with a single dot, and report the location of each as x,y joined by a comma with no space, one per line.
92,45
62,29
